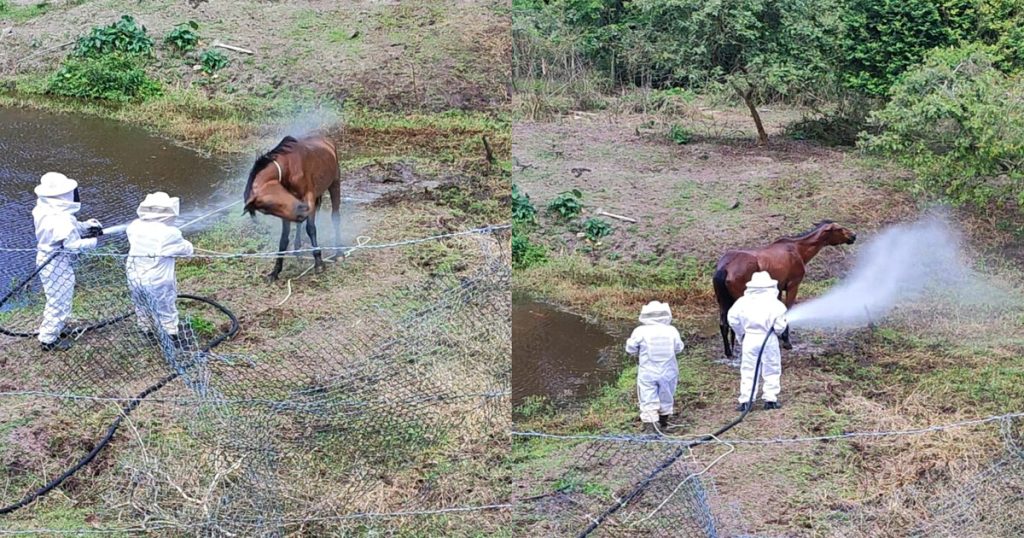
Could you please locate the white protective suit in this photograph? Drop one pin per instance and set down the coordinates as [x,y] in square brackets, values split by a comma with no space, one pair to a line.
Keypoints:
[152,238]
[751,317]
[56,228]
[656,342]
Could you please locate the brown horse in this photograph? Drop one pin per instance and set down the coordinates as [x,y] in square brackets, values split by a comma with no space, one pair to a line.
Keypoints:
[785,260]
[289,182]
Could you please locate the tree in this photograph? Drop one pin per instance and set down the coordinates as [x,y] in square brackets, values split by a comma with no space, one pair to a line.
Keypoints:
[758,48]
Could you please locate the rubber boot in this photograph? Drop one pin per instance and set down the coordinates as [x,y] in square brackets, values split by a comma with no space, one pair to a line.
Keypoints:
[649,428]
[60,344]
[663,422]
[768,406]
[743,407]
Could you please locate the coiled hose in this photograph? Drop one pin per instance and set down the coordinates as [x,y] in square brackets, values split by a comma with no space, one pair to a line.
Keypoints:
[128,407]
[623,501]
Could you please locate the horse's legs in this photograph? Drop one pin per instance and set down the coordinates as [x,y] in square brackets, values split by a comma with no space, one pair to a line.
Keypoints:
[335,190]
[791,290]
[298,241]
[282,245]
[318,261]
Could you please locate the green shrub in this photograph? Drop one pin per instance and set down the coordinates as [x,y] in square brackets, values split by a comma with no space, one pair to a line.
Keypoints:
[112,77]
[567,204]
[213,61]
[596,228]
[524,252]
[522,210]
[183,37]
[957,121]
[124,36]
[679,134]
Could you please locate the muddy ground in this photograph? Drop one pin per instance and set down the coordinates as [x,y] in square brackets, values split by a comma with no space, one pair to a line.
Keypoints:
[925,365]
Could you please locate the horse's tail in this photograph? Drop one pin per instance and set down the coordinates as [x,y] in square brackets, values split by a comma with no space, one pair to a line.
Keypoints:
[725,300]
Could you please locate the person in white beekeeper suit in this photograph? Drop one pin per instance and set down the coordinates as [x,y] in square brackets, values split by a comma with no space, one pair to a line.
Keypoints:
[656,343]
[58,228]
[153,239]
[751,317]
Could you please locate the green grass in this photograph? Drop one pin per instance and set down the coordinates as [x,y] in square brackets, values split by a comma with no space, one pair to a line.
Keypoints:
[22,13]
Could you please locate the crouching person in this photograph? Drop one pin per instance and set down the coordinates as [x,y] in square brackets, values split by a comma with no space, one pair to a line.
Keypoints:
[57,228]
[153,239]
[656,343]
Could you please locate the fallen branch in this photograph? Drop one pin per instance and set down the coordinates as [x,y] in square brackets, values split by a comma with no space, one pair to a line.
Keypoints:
[614,216]
[232,47]
[487,148]
[44,51]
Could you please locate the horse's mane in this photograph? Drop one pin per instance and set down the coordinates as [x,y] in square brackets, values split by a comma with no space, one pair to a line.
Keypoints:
[263,161]
[816,227]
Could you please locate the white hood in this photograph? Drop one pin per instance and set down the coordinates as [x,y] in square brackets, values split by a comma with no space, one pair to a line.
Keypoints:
[656,313]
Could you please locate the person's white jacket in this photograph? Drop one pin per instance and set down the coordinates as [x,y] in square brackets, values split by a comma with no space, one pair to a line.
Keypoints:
[57,228]
[150,266]
[656,343]
[751,317]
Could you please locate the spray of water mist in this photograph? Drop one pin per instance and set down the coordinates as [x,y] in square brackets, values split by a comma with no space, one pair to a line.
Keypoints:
[905,263]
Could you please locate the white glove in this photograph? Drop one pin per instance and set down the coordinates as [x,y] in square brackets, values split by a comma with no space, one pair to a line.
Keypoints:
[93,223]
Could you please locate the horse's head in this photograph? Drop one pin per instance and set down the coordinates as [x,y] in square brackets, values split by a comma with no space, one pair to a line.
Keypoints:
[271,198]
[265,191]
[834,234]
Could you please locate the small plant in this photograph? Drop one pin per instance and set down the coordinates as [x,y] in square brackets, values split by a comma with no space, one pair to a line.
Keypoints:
[679,134]
[524,252]
[112,77]
[567,204]
[213,61]
[183,37]
[595,229]
[522,210]
[125,35]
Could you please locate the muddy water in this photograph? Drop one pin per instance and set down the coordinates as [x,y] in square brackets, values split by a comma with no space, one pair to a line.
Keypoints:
[116,166]
[558,355]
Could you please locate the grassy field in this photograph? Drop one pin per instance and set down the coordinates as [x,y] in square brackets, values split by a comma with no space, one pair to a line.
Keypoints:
[926,364]
[410,91]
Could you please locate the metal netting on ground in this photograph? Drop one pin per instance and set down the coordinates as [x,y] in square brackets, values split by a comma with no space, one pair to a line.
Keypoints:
[657,482]
[384,410]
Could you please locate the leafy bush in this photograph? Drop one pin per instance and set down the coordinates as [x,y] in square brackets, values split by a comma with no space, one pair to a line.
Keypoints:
[522,210]
[125,36]
[112,77]
[212,61]
[958,121]
[840,126]
[567,204]
[183,37]
[596,228]
[679,134]
[524,252]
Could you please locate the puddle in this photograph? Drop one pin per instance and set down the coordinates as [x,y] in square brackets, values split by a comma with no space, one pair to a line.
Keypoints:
[558,355]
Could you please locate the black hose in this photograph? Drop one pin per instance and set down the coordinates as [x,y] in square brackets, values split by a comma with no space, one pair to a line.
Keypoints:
[126,409]
[623,501]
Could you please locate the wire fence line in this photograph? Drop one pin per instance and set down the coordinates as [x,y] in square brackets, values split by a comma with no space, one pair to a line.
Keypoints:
[385,412]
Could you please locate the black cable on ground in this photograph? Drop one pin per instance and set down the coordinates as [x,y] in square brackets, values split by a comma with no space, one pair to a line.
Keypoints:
[623,501]
[127,409]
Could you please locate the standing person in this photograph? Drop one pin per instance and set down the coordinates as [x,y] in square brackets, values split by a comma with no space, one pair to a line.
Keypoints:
[57,228]
[751,317]
[656,343]
[152,240]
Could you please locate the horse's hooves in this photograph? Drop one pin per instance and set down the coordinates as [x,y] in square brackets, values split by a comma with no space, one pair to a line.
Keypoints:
[787,345]
[271,278]
[319,269]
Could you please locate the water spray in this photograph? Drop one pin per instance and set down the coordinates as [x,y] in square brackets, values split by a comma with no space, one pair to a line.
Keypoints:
[899,265]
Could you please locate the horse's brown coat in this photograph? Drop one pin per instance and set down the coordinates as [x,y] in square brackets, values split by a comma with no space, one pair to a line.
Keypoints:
[785,260]
[308,168]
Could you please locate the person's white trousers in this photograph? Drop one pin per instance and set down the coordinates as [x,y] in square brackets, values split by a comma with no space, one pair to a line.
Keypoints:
[655,396]
[155,303]
[771,367]
[58,280]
